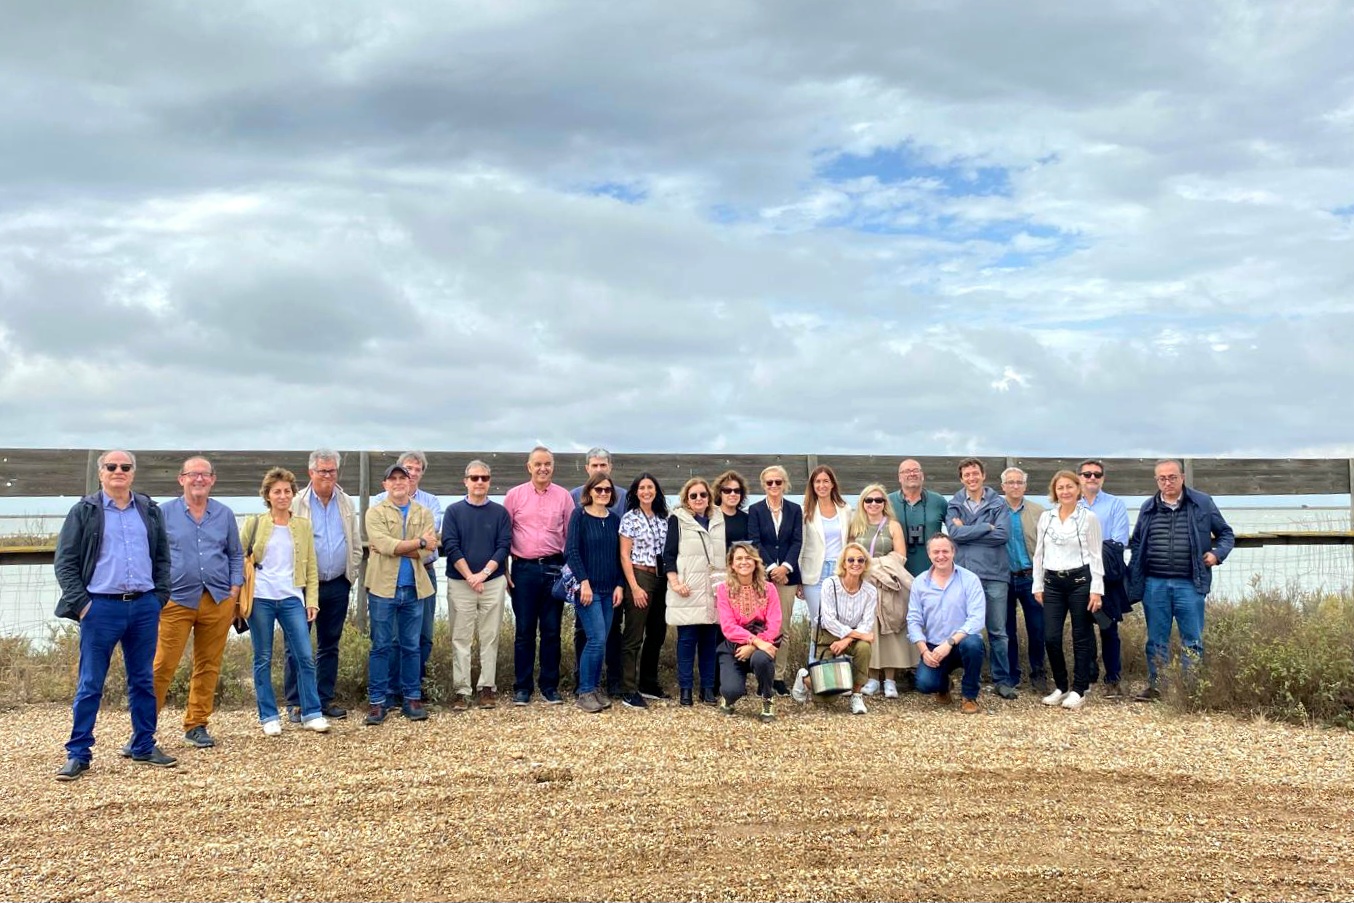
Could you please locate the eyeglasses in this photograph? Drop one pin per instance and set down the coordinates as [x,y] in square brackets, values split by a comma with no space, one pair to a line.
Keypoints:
[773,482]
[197,475]
[731,490]
[325,472]
[1091,475]
[1015,482]
[1169,478]
[698,495]
[873,501]
[604,490]
[910,473]
[480,478]
[113,468]
[856,560]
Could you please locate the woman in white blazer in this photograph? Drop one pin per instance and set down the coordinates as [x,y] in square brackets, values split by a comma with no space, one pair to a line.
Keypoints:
[827,523]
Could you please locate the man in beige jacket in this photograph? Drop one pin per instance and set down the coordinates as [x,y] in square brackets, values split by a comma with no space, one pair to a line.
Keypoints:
[400,532]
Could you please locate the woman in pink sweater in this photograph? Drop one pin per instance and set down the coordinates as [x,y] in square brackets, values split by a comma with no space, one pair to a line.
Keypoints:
[749,616]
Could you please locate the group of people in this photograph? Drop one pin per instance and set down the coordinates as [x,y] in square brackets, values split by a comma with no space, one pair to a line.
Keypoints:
[902,589]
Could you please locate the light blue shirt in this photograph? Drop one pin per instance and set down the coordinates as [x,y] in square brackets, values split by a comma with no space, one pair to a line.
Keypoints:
[406,577]
[1112,514]
[124,553]
[203,556]
[935,613]
[331,543]
[1015,542]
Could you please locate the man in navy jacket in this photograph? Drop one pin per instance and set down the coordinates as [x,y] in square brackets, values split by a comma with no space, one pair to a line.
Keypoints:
[1179,538]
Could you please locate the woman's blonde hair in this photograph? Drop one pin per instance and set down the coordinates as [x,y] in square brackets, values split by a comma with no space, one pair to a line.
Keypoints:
[274,476]
[840,570]
[758,576]
[687,486]
[859,524]
[1063,475]
[776,469]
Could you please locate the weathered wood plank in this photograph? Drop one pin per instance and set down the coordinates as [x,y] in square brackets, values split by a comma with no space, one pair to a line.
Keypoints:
[62,472]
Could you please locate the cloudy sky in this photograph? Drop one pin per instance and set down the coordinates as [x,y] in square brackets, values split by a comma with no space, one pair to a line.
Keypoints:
[927,228]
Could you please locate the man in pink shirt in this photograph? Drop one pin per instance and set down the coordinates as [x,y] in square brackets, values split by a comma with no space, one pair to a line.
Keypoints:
[540,513]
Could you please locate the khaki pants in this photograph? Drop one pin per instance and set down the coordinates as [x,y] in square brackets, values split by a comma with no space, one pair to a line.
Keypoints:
[209,624]
[474,612]
[859,652]
[787,612]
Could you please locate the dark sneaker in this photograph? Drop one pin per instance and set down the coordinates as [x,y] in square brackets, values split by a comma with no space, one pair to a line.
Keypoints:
[376,714]
[199,737]
[156,757]
[634,701]
[337,712]
[1006,691]
[461,703]
[1113,690]
[1149,694]
[552,697]
[781,689]
[521,697]
[1040,685]
[413,710]
[72,770]
[294,714]
[126,750]
[768,710]
[685,697]
[709,696]
[488,698]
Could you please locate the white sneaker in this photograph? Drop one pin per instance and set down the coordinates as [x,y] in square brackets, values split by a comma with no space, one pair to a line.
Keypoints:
[871,687]
[319,725]
[272,727]
[1074,700]
[857,704]
[890,689]
[1055,698]
[797,690]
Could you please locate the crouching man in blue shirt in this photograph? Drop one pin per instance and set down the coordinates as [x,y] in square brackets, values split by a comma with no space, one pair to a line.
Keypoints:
[945,618]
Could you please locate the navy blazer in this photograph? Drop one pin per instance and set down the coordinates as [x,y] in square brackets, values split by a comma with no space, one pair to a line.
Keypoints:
[782,547]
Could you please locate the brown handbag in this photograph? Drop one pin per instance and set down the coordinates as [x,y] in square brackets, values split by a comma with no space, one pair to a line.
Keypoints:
[245,603]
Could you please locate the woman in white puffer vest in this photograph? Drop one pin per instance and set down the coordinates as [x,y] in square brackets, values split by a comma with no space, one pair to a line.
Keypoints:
[693,559]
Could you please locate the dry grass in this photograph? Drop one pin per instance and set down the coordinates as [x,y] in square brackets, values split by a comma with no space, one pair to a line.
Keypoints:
[1117,801]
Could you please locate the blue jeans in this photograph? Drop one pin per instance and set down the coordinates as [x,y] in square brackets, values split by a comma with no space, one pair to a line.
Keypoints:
[533,607]
[136,625]
[395,627]
[596,620]
[999,664]
[290,615]
[425,643]
[813,598]
[697,641]
[967,655]
[329,623]
[1020,593]
[1164,598]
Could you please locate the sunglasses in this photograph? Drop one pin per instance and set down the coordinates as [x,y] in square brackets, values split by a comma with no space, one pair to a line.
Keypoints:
[773,482]
[478,478]
[698,495]
[1091,475]
[731,490]
[605,490]
[875,501]
[855,560]
[113,468]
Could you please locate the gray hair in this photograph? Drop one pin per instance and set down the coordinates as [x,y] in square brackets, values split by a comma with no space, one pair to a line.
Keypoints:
[597,452]
[324,454]
[1180,465]
[418,456]
[1013,470]
[477,463]
[113,451]
[540,448]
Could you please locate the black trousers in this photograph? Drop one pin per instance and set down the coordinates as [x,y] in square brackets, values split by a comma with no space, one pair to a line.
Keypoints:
[733,673]
[1068,593]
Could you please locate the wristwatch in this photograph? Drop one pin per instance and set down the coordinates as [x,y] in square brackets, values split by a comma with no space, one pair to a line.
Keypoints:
[422,543]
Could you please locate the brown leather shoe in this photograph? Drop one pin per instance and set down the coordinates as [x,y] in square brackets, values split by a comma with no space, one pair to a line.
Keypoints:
[488,698]
[461,703]
[969,707]
[943,698]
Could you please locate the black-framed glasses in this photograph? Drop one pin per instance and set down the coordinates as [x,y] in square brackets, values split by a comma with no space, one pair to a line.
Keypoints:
[325,471]
[605,490]
[731,490]
[197,474]
[1169,478]
[1091,475]
[113,468]
[873,501]
[480,478]
[773,482]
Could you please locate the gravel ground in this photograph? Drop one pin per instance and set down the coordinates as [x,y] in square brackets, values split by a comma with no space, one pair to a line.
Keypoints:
[1118,801]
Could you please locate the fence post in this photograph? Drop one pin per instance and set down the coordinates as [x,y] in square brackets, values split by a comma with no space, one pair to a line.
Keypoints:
[1188,471]
[92,473]
[364,497]
[810,462]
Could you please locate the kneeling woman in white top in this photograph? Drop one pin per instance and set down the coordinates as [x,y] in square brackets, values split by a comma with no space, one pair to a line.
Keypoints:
[284,555]
[846,622]
[1069,579]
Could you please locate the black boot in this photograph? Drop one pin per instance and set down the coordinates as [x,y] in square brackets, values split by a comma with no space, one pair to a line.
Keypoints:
[686,697]
[708,696]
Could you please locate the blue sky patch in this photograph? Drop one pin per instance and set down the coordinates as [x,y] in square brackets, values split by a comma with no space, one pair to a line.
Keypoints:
[903,164]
